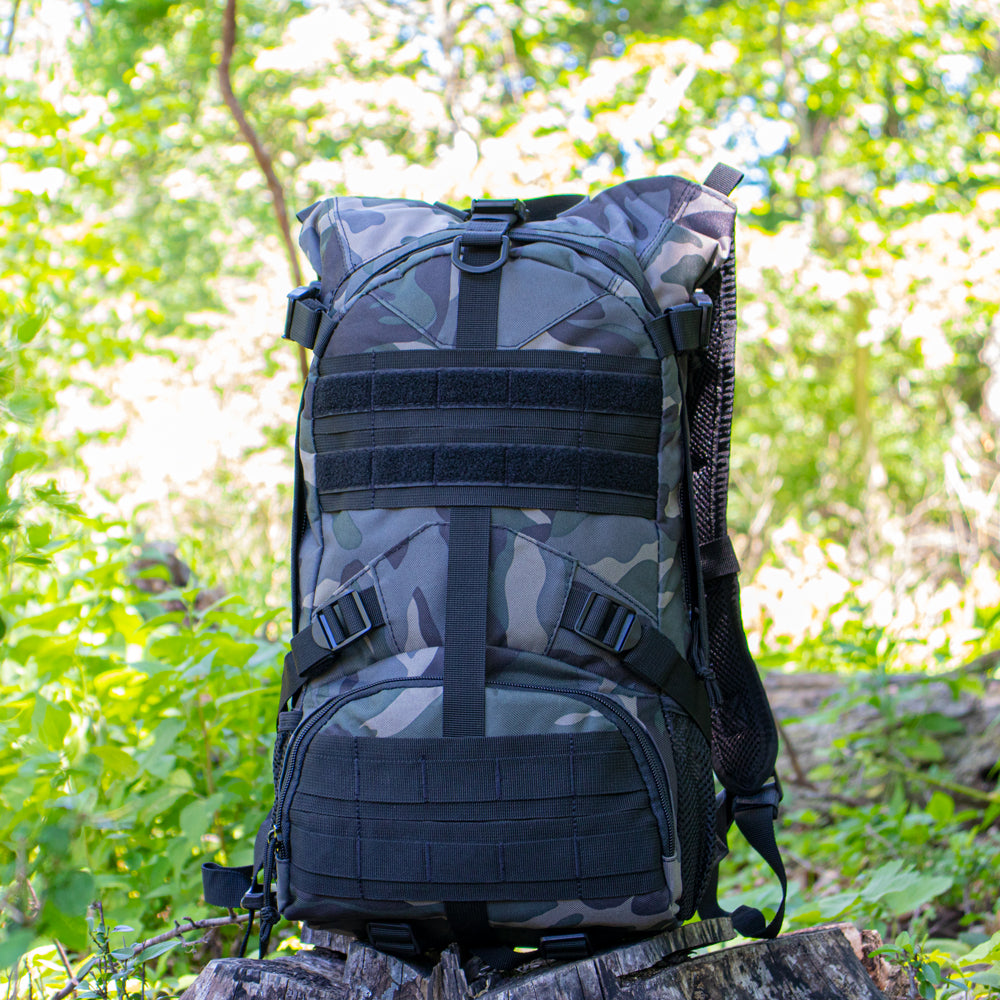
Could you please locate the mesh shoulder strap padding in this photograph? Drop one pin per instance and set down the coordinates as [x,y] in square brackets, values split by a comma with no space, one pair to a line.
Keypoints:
[744,737]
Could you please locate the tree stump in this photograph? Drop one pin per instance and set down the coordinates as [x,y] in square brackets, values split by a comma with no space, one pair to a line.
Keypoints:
[818,964]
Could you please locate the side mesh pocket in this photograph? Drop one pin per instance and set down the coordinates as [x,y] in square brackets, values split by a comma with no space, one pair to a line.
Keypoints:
[695,807]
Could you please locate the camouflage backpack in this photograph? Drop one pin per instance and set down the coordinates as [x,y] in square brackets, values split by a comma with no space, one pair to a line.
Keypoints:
[517,650]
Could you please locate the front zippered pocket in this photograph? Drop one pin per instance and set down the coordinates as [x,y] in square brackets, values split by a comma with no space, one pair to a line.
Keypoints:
[639,741]
[523,236]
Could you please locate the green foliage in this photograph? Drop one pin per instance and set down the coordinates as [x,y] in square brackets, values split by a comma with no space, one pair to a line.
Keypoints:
[118,966]
[942,970]
[870,137]
[132,729]
[135,738]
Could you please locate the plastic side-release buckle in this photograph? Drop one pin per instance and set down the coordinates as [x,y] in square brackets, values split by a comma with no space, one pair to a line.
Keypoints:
[344,620]
[500,208]
[690,324]
[770,795]
[396,939]
[608,624]
[565,947]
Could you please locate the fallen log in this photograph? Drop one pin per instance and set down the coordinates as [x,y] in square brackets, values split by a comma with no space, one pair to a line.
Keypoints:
[818,964]
[970,752]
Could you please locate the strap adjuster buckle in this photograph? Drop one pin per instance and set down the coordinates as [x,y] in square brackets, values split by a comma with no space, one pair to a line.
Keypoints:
[253,898]
[303,313]
[770,795]
[703,302]
[608,624]
[681,320]
[344,620]
[396,939]
[500,207]
[565,947]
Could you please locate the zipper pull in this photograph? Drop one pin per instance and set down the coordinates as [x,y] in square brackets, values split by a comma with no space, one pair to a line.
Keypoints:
[269,915]
[701,664]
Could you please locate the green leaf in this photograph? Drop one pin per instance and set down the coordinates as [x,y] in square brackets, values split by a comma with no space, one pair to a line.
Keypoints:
[919,890]
[987,951]
[155,950]
[28,327]
[14,944]
[67,926]
[52,723]
[941,808]
[74,893]
[116,761]
[890,877]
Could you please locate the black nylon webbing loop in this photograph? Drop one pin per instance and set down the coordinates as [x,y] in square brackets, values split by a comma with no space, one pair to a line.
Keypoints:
[754,816]
[723,178]
[718,558]
[225,886]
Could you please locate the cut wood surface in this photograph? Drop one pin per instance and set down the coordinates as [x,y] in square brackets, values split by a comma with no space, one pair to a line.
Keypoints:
[819,964]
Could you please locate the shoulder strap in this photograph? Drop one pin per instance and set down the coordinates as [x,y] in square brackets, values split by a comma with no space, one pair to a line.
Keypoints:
[744,736]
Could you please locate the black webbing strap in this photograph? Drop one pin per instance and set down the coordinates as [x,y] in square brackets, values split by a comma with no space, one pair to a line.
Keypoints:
[226,887]
[464,681]
[643,649]
[345,619]
[236,888]
[479,253]
[306,319]
[718,558]
[723,178]
[754,816]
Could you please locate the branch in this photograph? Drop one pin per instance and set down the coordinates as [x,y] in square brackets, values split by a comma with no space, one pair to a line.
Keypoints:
[8,41]
[177,932]
[261,155]
[191,925]
[73,981]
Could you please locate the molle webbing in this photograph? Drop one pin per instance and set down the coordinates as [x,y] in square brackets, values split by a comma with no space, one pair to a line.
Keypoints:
[535,817]
[463,703]
[551,429]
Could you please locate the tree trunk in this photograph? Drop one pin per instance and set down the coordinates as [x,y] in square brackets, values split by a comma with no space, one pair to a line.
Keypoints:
[811,965]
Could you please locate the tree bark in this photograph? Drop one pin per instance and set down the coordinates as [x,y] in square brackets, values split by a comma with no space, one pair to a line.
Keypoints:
[261,155]
[812,965]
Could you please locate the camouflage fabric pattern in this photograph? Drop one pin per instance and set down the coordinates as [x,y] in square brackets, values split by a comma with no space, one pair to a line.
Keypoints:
[388,282]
